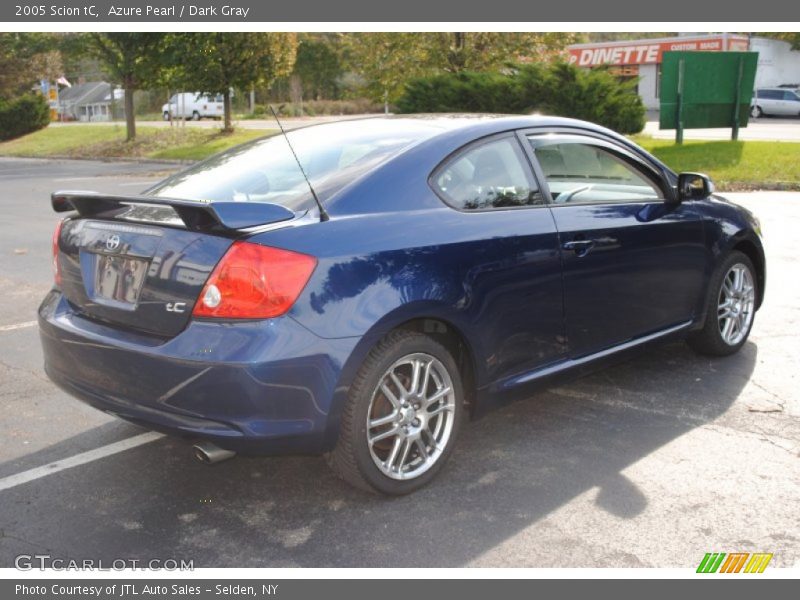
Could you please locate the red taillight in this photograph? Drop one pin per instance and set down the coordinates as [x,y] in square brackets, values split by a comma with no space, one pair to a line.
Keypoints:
[254,282]
[56,265]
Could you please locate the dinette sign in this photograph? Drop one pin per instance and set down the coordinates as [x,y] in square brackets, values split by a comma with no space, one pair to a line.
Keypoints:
[646,53]
[623,55]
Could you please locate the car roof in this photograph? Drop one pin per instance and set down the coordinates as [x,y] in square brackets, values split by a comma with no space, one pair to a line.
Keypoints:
[433,124]
[459,128]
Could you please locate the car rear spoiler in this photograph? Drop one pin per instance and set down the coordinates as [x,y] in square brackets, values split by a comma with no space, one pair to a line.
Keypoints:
[196,215]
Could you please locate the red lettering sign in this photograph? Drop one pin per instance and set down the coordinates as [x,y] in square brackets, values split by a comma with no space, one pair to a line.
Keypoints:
[643,53]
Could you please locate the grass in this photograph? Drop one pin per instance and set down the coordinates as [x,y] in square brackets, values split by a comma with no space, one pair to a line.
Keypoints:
[108,141]
[733,165]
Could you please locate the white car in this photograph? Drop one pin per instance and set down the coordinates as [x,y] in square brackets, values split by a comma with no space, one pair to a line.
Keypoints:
[194,105]
[775,101]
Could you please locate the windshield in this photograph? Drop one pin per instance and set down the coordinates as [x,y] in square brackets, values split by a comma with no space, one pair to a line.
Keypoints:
[265,170]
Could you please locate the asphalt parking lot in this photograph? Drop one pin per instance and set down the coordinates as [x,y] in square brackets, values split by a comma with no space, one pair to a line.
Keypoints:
[650,463]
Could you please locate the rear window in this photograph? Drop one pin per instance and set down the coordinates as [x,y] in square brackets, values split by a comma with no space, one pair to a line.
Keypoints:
[332,156]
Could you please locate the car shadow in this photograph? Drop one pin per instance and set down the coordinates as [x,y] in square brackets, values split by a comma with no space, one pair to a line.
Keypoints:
[510,469]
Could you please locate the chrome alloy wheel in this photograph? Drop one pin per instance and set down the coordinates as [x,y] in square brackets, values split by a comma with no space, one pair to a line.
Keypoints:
[410,416]
[736,304]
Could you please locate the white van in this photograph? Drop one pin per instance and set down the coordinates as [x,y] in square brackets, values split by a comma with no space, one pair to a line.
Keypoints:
[775,101]
[194,105]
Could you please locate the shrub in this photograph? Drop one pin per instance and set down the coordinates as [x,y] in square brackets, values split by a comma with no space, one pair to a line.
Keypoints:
[462,92]
[311,108]
[558,89]
[354,106]
[22,115]
[589,94]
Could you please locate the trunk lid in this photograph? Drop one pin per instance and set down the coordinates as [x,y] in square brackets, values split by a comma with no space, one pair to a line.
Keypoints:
[141,262]
[139,276]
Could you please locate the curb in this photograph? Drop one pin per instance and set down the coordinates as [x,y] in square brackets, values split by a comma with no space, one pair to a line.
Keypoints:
[764,186]
[106,159]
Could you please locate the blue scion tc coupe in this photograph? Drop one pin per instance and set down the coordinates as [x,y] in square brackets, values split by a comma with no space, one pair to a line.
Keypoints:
[361,288]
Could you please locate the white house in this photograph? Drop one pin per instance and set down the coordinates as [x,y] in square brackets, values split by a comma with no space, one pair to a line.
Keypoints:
[88,102]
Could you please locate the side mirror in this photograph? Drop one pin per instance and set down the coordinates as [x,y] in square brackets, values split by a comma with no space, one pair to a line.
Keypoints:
[694,186]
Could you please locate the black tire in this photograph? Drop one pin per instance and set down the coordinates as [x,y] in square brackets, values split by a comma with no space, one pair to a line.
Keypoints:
[166,116]
[195,116]
[709,340]
[756,112]
[351,459]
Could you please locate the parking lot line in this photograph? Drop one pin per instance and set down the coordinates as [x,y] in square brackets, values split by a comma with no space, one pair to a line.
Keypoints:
[77,460]
[17,326]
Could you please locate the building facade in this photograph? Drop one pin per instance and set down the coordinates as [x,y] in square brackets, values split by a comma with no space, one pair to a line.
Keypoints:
[778,64]
[92,101]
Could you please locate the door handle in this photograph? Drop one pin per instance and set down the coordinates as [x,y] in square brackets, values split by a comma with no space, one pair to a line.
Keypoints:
[580,247]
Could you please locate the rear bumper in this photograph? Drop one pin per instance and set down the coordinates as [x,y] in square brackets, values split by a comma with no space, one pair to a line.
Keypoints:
[261,387]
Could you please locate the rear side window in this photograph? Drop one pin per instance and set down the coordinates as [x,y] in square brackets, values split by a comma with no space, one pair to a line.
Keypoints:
[489,175]
[770,94]
[266,170]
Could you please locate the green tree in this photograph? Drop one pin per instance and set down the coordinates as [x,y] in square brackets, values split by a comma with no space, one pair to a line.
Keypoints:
[216,63]
[608,36]
[318,66]
[483,51]
[25,58]
[132,59]
[386,60]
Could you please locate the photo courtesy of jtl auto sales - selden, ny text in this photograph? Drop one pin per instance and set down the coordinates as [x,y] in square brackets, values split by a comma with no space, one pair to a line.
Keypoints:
[398,301]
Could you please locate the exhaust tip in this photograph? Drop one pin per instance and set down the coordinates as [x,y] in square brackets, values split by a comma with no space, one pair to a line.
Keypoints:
[200,455]
[210,454]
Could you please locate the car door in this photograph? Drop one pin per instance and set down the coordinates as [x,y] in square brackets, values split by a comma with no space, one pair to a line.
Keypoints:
[173,105]
[791,104]
[510,255]
[780,106]
[633,264]
[184,103]
[766,102]
[773,102]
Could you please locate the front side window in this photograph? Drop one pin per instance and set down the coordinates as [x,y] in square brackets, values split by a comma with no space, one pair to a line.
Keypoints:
[791,96]
[490,175]
[582,173]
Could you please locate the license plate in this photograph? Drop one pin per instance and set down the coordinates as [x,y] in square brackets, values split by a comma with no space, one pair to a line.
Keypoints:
[119,278]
